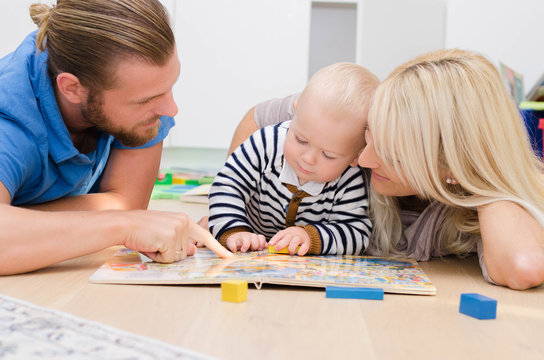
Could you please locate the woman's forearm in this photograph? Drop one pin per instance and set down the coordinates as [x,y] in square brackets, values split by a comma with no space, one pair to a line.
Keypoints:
[513,245]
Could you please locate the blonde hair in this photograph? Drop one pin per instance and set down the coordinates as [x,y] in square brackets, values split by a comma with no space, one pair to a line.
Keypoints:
[448,112]
[88,37]
[345,86]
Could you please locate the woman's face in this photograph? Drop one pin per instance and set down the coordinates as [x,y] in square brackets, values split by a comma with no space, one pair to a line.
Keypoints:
[384,180]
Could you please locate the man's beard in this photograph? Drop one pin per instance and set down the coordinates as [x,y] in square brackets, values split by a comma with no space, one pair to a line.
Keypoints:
[93,113]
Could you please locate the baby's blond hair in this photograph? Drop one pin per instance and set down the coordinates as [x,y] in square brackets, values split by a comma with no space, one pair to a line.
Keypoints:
[343,86]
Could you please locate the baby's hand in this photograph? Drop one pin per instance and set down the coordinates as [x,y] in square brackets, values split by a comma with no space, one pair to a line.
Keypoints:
[293,237]
[245,241]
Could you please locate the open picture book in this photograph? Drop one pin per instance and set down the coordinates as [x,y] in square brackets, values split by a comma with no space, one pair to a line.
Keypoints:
[402,276]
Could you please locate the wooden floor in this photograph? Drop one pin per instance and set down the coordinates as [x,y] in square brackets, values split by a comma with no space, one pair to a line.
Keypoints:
[279,322]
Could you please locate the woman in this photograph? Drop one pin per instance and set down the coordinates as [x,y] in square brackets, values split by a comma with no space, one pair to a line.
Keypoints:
[452,167]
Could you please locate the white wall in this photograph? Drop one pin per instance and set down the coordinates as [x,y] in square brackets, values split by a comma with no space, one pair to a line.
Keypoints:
[15,21]
[394,31]
[503,30]
[333,30]
[236,53]
[15,24]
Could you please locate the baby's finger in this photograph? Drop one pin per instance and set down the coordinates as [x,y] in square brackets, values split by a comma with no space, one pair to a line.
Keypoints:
[246,242]
[256,242]
[304,247]
[294,244]
[262,242]
[274,239]
[284,242]
[232,245]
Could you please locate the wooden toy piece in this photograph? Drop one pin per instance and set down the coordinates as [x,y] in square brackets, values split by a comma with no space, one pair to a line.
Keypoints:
[234,290]
[340,292]
[272,250]
[478,306]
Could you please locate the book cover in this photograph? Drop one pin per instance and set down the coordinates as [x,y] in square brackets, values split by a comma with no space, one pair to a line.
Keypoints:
[537,91]
[393,275]
[513,82]
[198,194]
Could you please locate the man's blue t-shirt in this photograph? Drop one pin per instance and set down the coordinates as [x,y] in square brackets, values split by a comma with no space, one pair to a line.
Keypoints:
[38,161]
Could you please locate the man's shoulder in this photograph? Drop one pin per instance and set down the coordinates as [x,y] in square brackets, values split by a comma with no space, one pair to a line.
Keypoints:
[23,87]
[16,135]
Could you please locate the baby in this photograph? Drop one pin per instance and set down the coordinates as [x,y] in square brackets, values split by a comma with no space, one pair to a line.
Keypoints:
[297,183]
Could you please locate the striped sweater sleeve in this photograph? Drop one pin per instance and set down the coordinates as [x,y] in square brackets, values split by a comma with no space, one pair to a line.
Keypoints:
[348,228]
[239,179]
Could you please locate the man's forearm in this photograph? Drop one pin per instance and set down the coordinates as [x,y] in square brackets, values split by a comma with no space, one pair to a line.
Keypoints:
[34,239]
[98,201]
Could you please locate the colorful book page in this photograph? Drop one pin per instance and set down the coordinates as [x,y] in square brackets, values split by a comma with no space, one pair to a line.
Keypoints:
[403,276]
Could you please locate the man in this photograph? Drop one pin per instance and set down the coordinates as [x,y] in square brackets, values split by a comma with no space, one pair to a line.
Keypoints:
[85,104]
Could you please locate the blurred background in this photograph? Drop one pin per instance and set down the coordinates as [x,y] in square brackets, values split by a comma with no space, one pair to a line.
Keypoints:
[236,53]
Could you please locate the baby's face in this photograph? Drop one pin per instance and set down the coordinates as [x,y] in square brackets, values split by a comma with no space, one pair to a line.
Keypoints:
[322,142]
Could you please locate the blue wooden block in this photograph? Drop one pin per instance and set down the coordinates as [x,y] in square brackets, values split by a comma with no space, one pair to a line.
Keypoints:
[339,292]
[478,306]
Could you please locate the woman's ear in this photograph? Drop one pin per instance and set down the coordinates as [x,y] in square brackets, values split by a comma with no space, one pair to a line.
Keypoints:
[69,86]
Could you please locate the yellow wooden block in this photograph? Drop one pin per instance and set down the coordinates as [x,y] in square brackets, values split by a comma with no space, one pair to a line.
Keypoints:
[234,290]
[285,250]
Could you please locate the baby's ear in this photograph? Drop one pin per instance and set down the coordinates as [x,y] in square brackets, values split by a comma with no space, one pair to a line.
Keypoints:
[355,161]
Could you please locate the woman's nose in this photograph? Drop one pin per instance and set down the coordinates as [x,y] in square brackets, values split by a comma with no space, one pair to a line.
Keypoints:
[368,158]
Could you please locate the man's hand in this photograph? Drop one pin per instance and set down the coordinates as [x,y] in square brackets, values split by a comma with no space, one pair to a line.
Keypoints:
[167,237]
